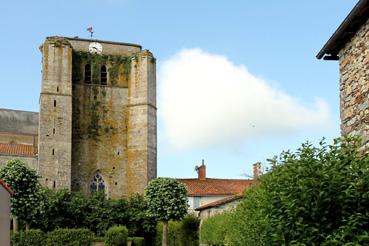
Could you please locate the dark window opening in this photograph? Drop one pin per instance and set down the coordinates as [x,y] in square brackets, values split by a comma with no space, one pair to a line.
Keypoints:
[53,151]
[57,89]
[88,73]
[53,130]
[103,75]
[54,103]
[116,183]
[54,184]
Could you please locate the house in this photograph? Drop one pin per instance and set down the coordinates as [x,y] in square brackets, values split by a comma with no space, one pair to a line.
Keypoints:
[220,206]
[349,44]
[203,190]
[5,193]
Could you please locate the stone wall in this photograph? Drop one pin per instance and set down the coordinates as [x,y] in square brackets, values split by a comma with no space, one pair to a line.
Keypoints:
[55,131]
[29,161]
[141,126]
[18,122]
[114,125]
[89,128]
[354,85]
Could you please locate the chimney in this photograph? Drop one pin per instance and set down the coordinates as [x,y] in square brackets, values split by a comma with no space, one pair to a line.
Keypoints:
[256,168]
[201,171]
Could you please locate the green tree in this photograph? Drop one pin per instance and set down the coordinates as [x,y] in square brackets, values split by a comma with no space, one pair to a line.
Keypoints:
[167,200]
[27,200]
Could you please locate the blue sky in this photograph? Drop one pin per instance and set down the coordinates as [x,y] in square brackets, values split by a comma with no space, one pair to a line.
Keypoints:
[269,43]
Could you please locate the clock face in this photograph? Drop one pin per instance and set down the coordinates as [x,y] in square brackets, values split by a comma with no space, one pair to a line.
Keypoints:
[95,48]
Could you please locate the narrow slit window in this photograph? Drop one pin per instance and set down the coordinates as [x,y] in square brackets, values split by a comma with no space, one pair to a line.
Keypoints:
[53,130]
[54,103]
[88,73]
[57,89]
[54,184]
[103,75]
[53,151]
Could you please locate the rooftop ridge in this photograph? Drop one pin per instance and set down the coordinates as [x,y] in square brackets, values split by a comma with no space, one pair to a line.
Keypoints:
[96,40]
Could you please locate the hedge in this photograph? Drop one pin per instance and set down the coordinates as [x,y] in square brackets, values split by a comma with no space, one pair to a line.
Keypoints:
[214,229]
[180,233]
[137,241]
[69,237]
[29,238]
[116,236]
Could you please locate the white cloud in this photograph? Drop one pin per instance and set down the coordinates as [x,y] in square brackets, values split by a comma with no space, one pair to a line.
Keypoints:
[205,99]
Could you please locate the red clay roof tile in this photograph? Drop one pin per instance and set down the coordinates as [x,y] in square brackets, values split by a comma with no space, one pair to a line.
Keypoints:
[17,149]
[213,187]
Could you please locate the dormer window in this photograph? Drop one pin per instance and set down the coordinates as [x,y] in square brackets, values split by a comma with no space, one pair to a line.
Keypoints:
[103,75]
[88,74]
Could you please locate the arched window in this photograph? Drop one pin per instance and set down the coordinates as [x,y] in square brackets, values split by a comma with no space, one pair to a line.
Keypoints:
[88,73]
[97,183]
[103,75]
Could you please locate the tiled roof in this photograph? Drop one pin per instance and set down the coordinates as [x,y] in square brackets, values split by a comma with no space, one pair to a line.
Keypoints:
[213,187]
[6,187]
[220,202]
[17,149]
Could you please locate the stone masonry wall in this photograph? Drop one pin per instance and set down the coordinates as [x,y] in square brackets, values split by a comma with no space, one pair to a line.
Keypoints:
[141,126]
[354,85]
[55,125]
[114,134]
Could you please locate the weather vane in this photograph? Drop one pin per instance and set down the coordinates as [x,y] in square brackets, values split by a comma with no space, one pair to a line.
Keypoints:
[90,30]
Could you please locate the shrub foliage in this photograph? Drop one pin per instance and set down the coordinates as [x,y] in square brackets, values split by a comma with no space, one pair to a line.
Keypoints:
[29,238]
[116,236]
[181,233]
[315,196]
[69,237]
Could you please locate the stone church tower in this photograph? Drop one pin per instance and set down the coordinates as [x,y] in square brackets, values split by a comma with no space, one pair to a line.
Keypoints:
[97,120]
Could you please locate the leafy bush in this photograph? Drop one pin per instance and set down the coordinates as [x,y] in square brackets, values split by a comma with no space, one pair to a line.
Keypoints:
[181,233]
[29,238]
[190,230]
[67,209]
[27,200]
[69,237]
[213,229]
[315,196]
[116,236]
[137,241]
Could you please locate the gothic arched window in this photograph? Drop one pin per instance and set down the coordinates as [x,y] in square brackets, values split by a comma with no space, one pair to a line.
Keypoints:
[103,75]
[88,73]
[97,183]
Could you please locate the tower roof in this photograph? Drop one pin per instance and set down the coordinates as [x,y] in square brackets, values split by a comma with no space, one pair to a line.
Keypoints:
[97,40]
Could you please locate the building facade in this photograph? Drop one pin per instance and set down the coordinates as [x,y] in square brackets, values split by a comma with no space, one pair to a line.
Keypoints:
[350,46]
[97,119]
[5,194]
[202,191]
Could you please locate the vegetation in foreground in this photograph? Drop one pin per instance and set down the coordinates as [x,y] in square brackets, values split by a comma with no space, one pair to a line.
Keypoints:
[315,196]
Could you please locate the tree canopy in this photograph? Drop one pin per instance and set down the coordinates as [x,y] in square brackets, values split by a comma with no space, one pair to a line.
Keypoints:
[27,200]
[166,199]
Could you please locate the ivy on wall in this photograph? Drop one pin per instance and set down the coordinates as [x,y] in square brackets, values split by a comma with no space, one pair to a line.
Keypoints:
[113,63]
[90,124]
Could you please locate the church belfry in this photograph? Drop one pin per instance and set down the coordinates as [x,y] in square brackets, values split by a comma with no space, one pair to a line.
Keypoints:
[97,122]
